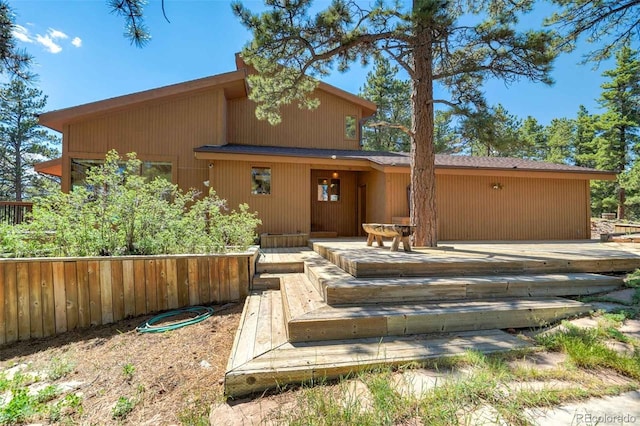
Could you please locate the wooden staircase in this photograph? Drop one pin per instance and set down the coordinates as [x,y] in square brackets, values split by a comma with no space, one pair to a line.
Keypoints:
[312,308]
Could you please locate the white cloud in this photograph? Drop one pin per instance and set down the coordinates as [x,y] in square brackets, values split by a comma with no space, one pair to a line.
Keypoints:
[48,43]
[56,34]
[22,34]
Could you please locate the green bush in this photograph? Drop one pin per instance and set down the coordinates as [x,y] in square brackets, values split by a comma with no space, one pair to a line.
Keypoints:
[120,212]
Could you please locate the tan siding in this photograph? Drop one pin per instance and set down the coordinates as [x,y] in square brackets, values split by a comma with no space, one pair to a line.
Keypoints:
[158,130]
[469,209]
[397,202]
[376,195]
[286,210]
[319,128]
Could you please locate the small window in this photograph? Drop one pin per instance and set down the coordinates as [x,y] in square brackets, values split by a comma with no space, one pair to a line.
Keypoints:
[350,130]
[261,180]
[328,189]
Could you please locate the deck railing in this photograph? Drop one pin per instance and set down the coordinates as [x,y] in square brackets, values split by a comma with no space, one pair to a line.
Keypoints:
[14,212]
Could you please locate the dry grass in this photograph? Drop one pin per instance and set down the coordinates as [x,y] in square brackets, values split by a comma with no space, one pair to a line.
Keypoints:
[171,377]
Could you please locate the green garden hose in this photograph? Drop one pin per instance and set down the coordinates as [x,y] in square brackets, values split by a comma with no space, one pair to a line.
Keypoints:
[201,314]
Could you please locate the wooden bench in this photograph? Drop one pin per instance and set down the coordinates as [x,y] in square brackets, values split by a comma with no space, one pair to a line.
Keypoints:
[399,233]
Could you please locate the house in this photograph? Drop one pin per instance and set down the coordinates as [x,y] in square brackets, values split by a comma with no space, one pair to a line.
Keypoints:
[308,174]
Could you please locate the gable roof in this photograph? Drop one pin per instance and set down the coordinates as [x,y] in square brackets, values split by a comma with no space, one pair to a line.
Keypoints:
[402,159]
[56,119]
[234,81]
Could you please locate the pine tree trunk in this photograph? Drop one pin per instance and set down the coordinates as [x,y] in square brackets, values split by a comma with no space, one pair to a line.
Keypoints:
[18,175]
[423,178]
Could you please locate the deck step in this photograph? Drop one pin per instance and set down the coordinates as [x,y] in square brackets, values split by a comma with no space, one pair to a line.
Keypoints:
[309,318]
[266,281]
[280,267]
[477,259]
[388,290]
[341,288]
[318,361]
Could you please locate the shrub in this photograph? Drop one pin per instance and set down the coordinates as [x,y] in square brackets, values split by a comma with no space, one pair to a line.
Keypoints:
[120,212]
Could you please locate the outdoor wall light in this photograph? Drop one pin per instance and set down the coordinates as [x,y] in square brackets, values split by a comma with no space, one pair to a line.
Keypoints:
[335,175]
[496,185]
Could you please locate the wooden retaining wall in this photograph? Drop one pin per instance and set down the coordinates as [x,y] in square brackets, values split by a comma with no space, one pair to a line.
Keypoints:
[48,296]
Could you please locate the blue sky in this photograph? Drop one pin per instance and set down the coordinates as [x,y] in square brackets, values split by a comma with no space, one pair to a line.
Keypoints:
[81,56]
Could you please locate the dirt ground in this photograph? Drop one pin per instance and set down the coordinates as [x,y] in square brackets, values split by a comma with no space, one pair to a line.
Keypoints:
[174,377]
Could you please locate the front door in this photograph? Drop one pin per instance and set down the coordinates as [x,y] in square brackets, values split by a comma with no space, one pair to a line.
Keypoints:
[333,202]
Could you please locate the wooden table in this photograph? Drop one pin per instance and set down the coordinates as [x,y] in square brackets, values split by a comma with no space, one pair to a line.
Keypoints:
[399,233]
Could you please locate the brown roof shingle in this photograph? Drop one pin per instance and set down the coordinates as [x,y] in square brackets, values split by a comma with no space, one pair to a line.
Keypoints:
[401,158]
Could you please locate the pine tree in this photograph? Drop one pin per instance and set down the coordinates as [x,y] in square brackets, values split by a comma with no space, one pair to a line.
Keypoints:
[611,24]
[456,44]
[619,127]
[533,136]
[584,146]
[492,132]
[560,135]
[392,96]
[22,141]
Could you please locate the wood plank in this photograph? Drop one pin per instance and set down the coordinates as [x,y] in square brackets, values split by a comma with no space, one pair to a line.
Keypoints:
[3,305]
[150,285]
[243,352]
[223,278]
[35,300]
[182,282]
[71,294]
[128,287]
[263,326]
[234,362]
[203,280]
[214,279]
[193,282]
[95,295]
[24,311]
[243,276]
[139,287]
[303,362]
[278,332]
[234,279]
[172,283]
[48,299]
[10,302]
[106,296]
[161,279]
[117,290]
[60,297]
[84,299]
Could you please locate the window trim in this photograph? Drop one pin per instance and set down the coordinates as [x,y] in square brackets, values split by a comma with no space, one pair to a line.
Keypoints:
[271,188]
[355,127]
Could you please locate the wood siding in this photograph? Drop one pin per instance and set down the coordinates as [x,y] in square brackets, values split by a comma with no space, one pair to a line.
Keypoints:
[45,297]
[285,210]
[319,128]
[523,209]
[376,197]
[335,216]
[161,130]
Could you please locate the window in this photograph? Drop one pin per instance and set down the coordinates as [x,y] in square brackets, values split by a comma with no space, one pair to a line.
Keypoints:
[328,189]
[148,169]
[261,180]
[350,130]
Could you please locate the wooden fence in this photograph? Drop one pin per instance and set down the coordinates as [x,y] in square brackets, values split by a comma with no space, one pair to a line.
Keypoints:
[13,212]
[43,297]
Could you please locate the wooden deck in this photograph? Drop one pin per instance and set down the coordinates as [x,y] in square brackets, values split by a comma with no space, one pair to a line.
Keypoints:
[481,258]
[346,307]
[262,359]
